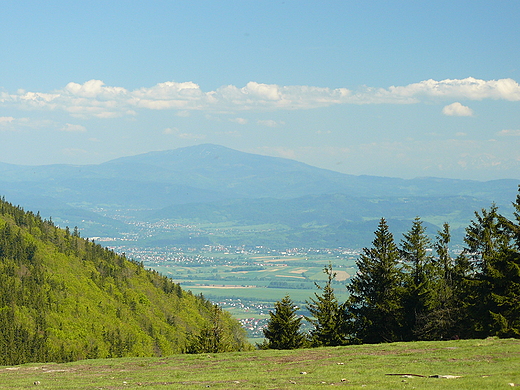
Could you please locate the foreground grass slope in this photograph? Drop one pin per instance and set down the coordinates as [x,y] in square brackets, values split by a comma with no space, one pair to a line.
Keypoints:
[476,364]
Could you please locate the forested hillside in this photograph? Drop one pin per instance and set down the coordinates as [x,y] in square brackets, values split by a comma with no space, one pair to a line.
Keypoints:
[66,298]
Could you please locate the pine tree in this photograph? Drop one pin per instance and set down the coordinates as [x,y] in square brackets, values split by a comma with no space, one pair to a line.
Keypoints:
[283,328]
[328,316]
[375,298]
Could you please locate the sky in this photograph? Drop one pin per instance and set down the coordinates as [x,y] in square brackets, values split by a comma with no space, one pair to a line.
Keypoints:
[387,88]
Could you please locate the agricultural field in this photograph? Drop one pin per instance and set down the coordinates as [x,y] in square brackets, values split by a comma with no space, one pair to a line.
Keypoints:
[458,364]
[247,282]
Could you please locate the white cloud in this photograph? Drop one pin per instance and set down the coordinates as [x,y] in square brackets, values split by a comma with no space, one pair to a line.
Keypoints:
[270,123]
[12,123]
[169,130]
[457,109]
[94,89]
[94,99]
[513,133]
[6,120]
[240,121]
[469,88]
[73,128]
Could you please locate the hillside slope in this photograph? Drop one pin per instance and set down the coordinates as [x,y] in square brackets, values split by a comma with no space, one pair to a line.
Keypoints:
[65,298]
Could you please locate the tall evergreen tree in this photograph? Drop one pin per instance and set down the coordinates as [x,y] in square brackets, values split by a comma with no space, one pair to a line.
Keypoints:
[376,291]
[442,319]
[328,316]
[495,283]
[418,293]
[283,328]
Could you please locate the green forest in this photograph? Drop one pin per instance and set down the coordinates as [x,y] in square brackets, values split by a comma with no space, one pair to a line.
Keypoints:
[415,290]
[65,298]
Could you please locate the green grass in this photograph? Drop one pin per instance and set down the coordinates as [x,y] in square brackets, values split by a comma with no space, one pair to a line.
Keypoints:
[481,364]
[268,295]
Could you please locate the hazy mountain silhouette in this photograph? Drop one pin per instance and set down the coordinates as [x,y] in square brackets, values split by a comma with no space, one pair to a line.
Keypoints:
[207,180]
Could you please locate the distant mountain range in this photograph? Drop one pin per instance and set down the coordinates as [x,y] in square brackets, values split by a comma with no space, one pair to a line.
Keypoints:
[215,184]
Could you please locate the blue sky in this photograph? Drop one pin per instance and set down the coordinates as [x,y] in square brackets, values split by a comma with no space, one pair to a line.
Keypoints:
[388,88]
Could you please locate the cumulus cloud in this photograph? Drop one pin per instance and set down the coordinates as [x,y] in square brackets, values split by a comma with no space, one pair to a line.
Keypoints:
[95,99]
[73,128]
[457,109]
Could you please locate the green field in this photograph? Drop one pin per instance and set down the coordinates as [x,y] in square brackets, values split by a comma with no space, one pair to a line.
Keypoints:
[263,278]
[461,364]
[248,284]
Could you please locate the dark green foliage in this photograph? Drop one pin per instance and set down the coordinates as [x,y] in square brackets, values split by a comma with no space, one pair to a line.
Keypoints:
[493,303]
[283,329]
[328,316]
[65,298]
[443,318]
[434,297]
[417,281]
[376,291]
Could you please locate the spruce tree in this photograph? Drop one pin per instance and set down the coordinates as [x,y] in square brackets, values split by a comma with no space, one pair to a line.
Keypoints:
[440,322]
[417,299]
[492,248]
[283,328]
[375,298]
[328,316]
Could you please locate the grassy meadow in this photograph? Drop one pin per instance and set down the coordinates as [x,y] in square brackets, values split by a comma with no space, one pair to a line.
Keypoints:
[472,364]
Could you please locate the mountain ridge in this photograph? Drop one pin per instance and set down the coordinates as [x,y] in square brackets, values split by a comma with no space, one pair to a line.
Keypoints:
[208,176]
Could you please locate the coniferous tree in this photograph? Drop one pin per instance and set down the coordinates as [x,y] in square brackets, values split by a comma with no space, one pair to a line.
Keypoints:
[374,305]
[328,316]
[440,322]
[418,293]
[492,250]
[283,328]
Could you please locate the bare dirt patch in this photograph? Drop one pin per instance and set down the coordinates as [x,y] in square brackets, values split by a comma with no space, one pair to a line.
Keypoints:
[342,275]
